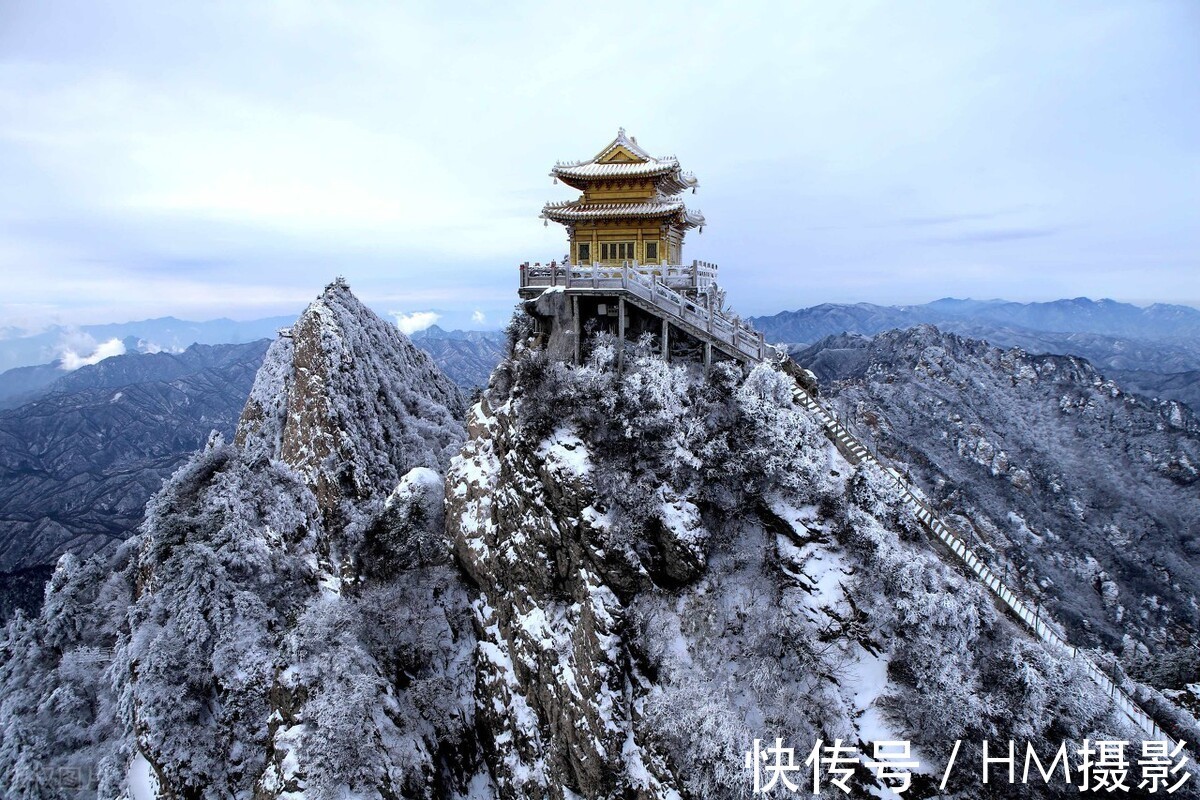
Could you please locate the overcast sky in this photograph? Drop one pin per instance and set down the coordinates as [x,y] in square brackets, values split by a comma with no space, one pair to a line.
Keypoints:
[228,159]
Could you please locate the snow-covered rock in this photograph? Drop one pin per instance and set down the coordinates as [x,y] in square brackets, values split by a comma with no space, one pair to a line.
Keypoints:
[668,566]
[288,622]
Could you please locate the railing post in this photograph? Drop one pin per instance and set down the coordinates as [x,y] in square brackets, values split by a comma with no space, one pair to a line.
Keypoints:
[621,332]
[553,275]
[576,328]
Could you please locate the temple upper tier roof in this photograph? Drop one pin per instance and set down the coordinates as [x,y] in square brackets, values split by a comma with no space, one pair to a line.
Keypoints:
[569,211]
[624,159]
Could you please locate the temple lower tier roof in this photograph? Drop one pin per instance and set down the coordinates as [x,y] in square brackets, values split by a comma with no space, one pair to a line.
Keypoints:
[576,211]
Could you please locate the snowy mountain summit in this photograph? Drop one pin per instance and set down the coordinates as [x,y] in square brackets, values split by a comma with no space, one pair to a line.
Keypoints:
[288,621]
[608,583]
[348,402]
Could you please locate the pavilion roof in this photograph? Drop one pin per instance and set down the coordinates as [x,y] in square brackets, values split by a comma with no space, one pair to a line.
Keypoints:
[638,164]
[577,210]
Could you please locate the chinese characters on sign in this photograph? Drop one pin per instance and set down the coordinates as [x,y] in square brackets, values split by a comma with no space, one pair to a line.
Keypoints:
[1105,765]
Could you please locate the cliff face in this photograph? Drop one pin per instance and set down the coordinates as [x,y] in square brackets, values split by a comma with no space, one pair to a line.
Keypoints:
[668,567]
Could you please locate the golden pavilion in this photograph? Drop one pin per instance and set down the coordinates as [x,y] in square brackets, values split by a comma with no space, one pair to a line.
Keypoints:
[630,210]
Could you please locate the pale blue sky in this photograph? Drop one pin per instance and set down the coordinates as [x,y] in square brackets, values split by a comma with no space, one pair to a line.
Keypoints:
[227,159]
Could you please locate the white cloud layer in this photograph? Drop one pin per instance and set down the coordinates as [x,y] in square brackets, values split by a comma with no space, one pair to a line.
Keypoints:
[416,321]
[215,159]
[70,360]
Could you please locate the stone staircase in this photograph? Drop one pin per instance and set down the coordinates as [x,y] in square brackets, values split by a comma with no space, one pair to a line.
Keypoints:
[1033,618]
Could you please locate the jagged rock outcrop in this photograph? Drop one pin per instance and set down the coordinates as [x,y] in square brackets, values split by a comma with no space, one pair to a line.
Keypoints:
[289,618]
[668,567]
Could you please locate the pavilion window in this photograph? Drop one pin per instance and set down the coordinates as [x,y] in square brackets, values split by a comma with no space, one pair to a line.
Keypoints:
[585,252]
[652,251]
[612,251]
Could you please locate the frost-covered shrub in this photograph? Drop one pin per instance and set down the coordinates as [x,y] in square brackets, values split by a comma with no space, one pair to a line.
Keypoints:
[715,439]
[217,584]
[776,446]
[59,727]
[410,529]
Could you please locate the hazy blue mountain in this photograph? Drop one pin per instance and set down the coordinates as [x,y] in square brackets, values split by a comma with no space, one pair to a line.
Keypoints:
[468,357]
[808,325]
[18,349]
[1182,386]
[21,384]
[1078,315]
[1161,343]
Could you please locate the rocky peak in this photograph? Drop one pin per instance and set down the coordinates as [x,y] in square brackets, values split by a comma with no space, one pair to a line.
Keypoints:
[346,400]
[667,564]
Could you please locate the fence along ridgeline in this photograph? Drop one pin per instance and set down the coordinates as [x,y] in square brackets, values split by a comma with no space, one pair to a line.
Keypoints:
[857,453]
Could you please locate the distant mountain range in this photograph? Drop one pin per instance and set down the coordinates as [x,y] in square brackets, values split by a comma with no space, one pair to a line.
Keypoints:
[22,349]
[78,464]
[30,363]
[467,357]
[1153,350]
[81,452]
[1103,317]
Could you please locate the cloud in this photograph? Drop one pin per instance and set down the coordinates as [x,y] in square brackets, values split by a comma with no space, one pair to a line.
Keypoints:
[947,219]
[478,317]
[416,321]
[70,360]
[222,174]
[1000,235]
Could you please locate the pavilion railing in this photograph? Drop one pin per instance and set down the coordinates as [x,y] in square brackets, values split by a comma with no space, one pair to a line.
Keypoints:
[656,285]
[697,276]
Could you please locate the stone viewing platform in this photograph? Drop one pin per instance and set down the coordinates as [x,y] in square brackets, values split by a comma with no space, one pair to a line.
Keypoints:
[683,300]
